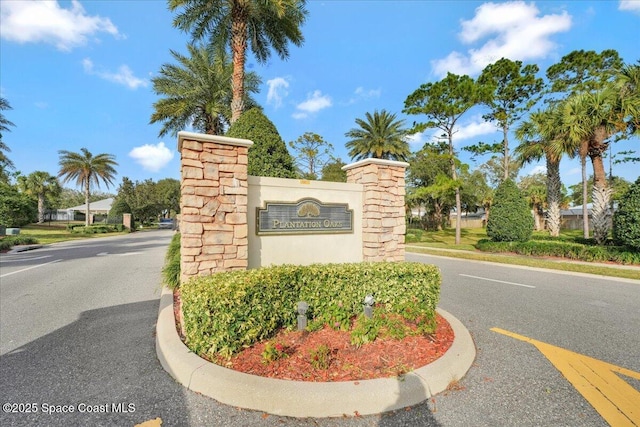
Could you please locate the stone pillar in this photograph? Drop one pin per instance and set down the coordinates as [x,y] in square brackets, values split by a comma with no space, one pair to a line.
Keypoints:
[213,204]
[383,211]
[126,220]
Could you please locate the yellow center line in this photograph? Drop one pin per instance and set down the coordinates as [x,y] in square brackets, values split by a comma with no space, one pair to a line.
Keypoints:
[597,381]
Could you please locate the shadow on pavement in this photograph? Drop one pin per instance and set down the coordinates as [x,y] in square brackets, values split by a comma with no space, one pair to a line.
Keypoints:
[78,366]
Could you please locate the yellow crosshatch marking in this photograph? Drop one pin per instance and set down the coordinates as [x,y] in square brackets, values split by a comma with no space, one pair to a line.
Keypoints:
[614,399]
[157,422]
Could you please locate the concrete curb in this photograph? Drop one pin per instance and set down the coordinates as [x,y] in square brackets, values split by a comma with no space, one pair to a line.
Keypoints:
[308,399]
[23,248]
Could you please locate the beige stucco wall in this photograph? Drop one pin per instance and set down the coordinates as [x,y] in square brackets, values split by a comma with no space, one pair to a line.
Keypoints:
[303,249]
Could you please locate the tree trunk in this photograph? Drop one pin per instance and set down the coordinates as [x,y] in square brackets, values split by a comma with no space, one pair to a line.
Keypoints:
[537,220]
[86,201]
[437,215]
[600,213]
[554,194]
[239,49]
[40,208]
[505,143]
[585,192]
[454,176]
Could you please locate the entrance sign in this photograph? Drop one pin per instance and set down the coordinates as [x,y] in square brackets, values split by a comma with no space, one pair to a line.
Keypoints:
[306,216]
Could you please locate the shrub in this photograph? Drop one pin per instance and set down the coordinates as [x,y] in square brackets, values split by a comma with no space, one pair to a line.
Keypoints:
[510,218]
[171,269]
[96,228]
[8,242]
[626,220]
[225,312]
[16,209]
[268,156]
[563,249]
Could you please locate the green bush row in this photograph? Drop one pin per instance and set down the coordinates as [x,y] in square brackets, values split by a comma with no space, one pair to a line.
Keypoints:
[171,269]
[226,312]
[413,235]
[8,242]
[564,249]
[96,228]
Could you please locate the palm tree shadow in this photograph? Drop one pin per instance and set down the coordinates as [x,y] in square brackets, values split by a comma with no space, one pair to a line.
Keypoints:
[103,358]
[412,391]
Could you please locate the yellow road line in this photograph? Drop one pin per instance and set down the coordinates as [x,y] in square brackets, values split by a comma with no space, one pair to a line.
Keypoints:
[597,381]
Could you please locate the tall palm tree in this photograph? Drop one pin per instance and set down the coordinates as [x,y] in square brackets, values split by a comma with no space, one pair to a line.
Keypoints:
[5,162]
[87,169]
[39,184]
[197,91]
[262,25]
[592,118]
[380,136]
[543,136]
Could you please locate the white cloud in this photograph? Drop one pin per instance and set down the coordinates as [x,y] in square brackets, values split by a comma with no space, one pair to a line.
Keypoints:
[630,5]
[277,91]
[574,171]
[473,129]
[416,139]
[315,102]
[152,157]
[124,76]
[504,26]
[538,169]
[48,22]
[362,94]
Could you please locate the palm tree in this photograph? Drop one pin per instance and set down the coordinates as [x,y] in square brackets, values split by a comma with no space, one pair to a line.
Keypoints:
[380,136]
[87,169]
[5,162]
[262,25]
[542,136]
[592,118]
[39,184]
[197,92]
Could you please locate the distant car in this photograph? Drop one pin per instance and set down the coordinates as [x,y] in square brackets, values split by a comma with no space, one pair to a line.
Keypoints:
[165,223]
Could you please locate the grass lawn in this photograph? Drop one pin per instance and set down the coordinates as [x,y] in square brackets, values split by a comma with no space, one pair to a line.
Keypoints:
[443,243]
[53,232]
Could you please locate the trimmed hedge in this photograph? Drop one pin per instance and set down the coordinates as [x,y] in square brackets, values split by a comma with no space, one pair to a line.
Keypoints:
[626,220]
[226,312]
[510,218]
[8,242]
[96,228]
[563,249]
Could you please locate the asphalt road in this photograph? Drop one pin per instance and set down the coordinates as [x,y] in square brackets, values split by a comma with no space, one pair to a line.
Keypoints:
[77,323]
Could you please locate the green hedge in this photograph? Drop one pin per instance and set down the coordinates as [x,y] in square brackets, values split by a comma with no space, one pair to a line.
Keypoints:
[8,242]
[564,249]
[225,312]
[171,269]
[96,228]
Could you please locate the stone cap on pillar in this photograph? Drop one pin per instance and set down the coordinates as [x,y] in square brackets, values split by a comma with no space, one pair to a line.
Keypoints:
[382,162]
[218,139]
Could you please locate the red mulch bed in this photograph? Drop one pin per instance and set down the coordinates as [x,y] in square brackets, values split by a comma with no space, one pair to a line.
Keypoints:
[382,358]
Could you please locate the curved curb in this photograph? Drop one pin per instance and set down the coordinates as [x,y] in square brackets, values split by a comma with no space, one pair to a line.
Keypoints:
[308,399]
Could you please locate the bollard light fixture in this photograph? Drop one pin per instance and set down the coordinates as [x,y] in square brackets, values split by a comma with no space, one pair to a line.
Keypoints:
[302,315]
[368,306]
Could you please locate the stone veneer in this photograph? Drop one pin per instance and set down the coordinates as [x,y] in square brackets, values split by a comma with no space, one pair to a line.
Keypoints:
[213,204]
[383,213]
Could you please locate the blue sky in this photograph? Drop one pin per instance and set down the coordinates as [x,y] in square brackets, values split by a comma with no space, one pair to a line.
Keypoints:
[77,73]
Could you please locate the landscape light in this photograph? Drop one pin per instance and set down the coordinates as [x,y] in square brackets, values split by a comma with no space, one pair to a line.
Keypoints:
[302,315]
[368,306]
